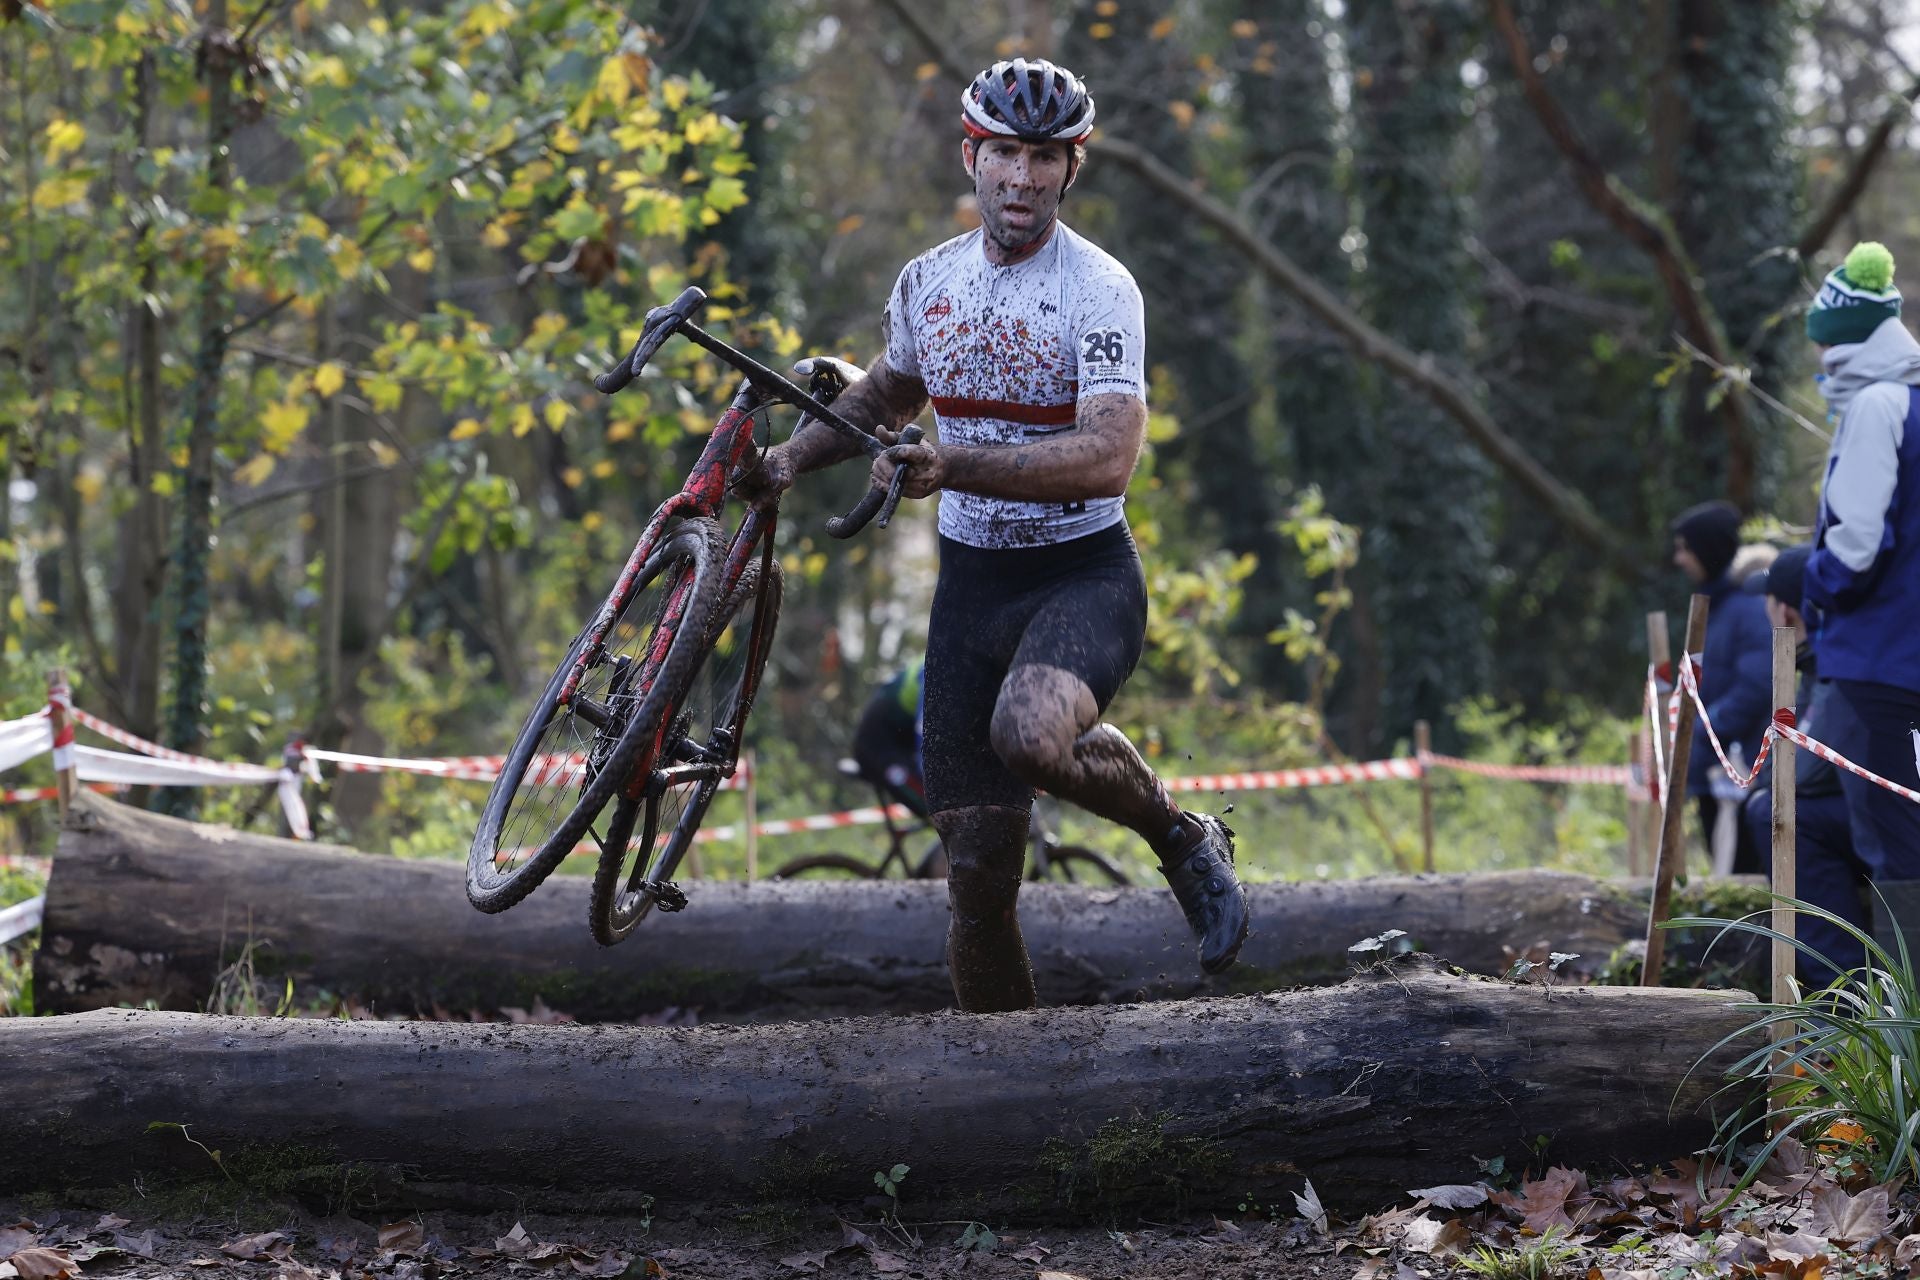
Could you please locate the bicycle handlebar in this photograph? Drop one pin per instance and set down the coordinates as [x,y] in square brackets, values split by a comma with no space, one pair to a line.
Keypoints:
[662,323]
[880,500]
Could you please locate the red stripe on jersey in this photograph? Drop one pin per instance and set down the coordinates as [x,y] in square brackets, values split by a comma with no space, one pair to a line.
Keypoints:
[1037,415]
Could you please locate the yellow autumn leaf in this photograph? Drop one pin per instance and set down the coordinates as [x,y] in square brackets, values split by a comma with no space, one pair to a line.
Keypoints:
[848,225]
[564,139]
[1100,30]
[926,71]
[59,191]
[618,431]
[604,468]
[573,477]
[673,92]
[1246,28]
[421,260]
[383,453]
[494,236]
[1181,112]
[254,472]
[1163,28]
[127,24]
[88,485]
[465,429]
[17,609]
[556,413]
[281,424]
[329,378]
[63,137]
[522,420]
[613,83]
[591,521]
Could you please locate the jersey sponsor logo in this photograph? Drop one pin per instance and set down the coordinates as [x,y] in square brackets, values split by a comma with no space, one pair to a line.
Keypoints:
[1103,346]
[939,309]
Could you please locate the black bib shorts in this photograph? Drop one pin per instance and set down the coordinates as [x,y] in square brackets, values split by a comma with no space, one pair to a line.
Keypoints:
[1080,606]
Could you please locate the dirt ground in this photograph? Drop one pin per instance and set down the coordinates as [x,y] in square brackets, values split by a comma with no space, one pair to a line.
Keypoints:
[116,1240]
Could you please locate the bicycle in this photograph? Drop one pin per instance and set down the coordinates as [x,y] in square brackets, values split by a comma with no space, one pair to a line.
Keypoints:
[648,708]
[1048,859]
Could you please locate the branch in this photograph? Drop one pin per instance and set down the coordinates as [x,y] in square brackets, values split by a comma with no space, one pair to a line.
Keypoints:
[1418,369]
[1815,237]
[1652,232]
[940,51]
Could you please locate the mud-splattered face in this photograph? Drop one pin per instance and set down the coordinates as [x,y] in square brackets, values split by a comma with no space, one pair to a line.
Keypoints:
[1018,186]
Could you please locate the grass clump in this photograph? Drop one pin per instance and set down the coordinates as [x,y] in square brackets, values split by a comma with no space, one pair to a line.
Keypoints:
[1843,1076]
[1539,1259]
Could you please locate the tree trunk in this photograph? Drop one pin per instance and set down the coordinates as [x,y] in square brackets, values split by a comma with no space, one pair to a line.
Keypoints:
[194,553]
[146,908]
[1402,1077]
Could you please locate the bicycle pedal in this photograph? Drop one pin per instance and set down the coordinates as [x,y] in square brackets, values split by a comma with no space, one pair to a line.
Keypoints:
[667,896]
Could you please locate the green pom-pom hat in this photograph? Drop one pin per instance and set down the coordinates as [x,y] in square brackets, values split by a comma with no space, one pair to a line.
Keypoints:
[1856,298]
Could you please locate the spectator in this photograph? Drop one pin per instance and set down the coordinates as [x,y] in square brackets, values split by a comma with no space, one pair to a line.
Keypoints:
[886,742]
[1735,677]
[1827,872]
[1862,600]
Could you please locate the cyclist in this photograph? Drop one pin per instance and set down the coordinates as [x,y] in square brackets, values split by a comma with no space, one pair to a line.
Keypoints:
[886,742]
[1029,342]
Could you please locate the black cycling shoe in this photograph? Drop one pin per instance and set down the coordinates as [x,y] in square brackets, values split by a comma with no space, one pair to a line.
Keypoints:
[1210,893]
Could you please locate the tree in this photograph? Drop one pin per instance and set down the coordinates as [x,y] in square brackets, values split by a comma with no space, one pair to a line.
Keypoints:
[1427,537]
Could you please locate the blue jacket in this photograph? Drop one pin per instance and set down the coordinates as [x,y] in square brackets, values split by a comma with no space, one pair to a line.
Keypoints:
[1737,680]
[1863,578]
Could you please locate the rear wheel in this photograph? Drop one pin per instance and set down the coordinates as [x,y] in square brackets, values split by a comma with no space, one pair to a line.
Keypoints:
[826,866]
[1071,864]
[577,746]
[699,748]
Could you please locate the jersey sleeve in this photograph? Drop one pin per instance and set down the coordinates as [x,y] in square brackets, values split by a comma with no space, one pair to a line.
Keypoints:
[1110,337]
[902,357]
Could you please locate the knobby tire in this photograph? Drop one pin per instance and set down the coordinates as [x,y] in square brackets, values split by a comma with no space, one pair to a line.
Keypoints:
[684,568]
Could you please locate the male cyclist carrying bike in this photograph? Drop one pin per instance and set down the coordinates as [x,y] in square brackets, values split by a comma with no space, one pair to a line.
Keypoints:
[1029,341]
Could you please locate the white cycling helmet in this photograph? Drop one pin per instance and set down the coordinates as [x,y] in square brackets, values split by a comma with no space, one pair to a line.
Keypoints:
[1029,99]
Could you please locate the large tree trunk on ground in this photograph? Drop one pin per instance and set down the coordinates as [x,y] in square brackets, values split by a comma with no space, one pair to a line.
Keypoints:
[1397,1079]
[141,907]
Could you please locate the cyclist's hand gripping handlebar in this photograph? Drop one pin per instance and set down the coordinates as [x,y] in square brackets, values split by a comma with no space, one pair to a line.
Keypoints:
[880,500]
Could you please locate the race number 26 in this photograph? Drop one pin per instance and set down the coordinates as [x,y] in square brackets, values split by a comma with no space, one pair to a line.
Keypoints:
[1106,345]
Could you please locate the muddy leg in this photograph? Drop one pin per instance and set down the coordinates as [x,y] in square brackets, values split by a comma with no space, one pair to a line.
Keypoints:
[1045,727]
[987,958]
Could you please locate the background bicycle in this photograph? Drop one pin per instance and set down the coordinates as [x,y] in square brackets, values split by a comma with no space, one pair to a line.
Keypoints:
[913,850]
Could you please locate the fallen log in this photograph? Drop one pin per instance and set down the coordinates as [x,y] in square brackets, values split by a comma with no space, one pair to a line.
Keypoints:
[1398,1078]
[145,908]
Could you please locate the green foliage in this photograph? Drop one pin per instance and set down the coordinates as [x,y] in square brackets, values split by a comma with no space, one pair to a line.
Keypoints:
[1834,1066]
[1540,1259]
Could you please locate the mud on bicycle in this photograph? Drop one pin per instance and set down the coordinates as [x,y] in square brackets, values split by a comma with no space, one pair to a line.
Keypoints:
[646,712]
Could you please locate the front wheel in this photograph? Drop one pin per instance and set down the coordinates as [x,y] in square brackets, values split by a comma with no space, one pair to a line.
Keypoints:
[698,750]
[581,742]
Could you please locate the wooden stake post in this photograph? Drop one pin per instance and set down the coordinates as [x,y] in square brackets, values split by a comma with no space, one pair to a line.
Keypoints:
[1637,754]
[58,696]
[1672,854]
[1422,747]
[1785,652]
[753,819]
[1659,653]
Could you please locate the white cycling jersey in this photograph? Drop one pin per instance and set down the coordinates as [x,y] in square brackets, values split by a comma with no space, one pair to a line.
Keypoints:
[1006,354]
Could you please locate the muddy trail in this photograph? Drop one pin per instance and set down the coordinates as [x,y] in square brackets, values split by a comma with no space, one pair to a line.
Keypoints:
[128,1238]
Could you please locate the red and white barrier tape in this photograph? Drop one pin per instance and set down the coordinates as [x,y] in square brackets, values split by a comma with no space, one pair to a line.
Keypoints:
[542,770]
[1613,775]
[202,764]
[1783,726]
[1690,680]
[1325,775]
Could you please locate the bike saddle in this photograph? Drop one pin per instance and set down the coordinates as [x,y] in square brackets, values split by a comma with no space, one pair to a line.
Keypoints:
[828,376]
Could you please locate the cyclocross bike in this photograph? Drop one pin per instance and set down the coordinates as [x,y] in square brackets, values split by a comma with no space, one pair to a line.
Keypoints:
[646,711]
